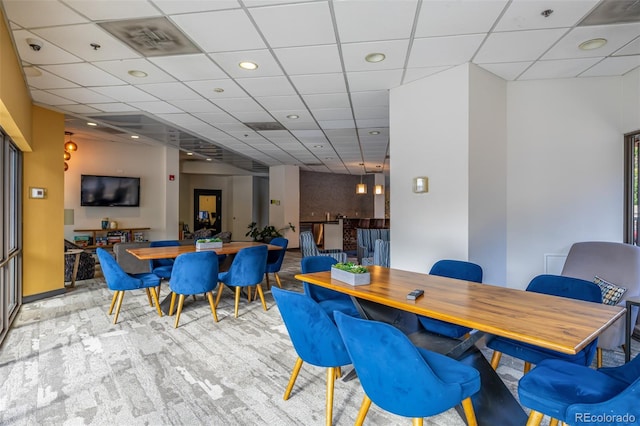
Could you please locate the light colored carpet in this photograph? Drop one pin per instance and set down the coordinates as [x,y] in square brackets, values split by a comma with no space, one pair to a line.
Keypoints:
[65,363]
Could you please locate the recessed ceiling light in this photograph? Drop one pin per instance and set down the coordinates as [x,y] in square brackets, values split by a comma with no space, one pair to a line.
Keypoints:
[92,124]
[218,90]
[318,146]
[189,153]
[247,65]
[137,73]
[375,57]
[374,132]
[293,116]
[592,44]
[135,137]
[209,159]
[378,166]
[328,158]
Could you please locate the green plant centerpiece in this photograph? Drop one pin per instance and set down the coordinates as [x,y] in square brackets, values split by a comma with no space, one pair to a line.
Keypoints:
[267,233]
[351,273]
[208,243]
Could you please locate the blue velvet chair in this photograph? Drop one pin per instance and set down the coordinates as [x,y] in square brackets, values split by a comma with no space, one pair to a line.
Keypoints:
[329,300]
[275,258]
[315,339]
[569,392]
[119,281]
[555,285]
[194,273]
[162,267]
[460,270]
[247,270]
[308,247]
[401,378]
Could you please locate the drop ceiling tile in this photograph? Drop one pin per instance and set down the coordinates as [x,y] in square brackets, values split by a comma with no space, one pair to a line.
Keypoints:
[189,6]
[332,114]
[83,74]
[157,107]
[370,98]
[170,91]
[77,39]
[189,67]
[310,59]
[78,109]
[47,98]
[327,100]
[48,81]
[566,68]
[365,134]
[527,15]
[319,83]
[233,105]
[211,30]
[186,121]
[507,70]
[362,113]
[195,105]
[395,51]
[440,51]
[125,93]
[373,122]
[413,74]
[446,18]
[342,133]
[229,62]
[519,46]
[337,124]
[374,19]
[47,55]
[121,70]
[616,36]
[113,9]
[303,134]
[303,24]
[280,103]
[49,13]
[266,86]
[618,65]
[304,117]
[207,88]
[374,80]
[255,116]
[216,117]
[81,95]
[632,48]
[113,107]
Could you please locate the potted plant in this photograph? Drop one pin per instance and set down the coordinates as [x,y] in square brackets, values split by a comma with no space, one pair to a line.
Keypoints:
[208,243]
[267,233]
[351,273]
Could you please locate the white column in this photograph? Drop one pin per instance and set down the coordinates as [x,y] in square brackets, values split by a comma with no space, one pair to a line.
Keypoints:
[284,200]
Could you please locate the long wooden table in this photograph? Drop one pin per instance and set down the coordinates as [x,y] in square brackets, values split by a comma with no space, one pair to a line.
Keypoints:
[561,324]
[171,252]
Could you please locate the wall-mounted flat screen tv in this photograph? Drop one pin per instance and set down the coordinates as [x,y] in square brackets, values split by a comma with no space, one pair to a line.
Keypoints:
[109,191]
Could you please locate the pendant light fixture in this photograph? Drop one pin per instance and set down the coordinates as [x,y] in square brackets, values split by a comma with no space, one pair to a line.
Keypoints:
[69,147]
[361,188]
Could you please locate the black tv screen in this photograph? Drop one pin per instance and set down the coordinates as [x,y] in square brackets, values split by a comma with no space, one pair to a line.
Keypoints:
[109,191]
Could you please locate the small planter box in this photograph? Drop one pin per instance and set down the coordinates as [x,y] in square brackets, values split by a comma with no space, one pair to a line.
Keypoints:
[207,246]
[350,278]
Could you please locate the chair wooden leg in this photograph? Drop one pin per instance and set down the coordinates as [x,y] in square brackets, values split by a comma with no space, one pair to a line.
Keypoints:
[148,296]
[599,357]
[469,412]
[292,379]
[180,303]
[249,290]
[553,422]
[261,294]
[527,367]
[266,274]
[277,279]
[495,359]
[119,305]
[364,409]
[193,296]
[220,287]
[154,295]
[535,418]
[158,289]
[213,307]
[173,303]
[417,421]
[237,301]
[113,301]
[338,372]
[331,377]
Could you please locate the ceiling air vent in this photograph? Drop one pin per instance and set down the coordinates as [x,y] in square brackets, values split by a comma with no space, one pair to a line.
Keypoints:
[613,12]
[263,126]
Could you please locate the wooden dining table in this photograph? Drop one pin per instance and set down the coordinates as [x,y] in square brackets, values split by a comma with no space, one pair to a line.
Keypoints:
[556,323]
[171,252]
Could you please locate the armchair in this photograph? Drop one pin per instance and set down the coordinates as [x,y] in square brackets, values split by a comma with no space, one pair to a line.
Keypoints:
[308,247]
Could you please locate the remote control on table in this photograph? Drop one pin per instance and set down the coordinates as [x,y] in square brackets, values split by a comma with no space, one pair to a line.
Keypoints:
[415,294]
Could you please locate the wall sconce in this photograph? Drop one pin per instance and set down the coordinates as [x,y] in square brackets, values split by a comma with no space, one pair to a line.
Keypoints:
[378,189]
[421,184]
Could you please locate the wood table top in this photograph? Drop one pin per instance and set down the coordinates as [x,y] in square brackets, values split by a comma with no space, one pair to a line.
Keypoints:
[170,252]
[556,323]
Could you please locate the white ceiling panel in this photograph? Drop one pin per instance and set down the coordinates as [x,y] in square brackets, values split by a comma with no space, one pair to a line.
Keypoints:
[170,91]
[319,83]
[374,80]
[297,124]
[254,116]
[507,70]
[413,74]
[370,98]
[632,48]
[565,68]
[395,51]
[78,109]
[310,59]
[157,107]
[49,81]
[618,65]
[373,122]
[211,30]
[233,105]
[302,24]
[171,7]
[304,117]
[83,74]
[195,105]
[332,114]
[281,103]
[216,117]
[517,46]
[189,67]
[49,13]
[81,95]
[371,112]
[439,51]
[226,88]
[99,10]
[445,18]
[527,14]
[266,86]
[337,124]
[113,107]
[374,19]
[121,70]
[327,100]
[48,54]
[125,93]
[616,36]
[229,62]
[47,98]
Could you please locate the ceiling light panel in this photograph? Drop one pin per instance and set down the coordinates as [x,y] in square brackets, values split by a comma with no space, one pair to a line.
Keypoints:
[374,20]
[438,51]
[616,36]
[446,18]
[210,30]
[517,46]
[267,65]
[310,59]
[395,52]
[189,67]
[121,70]
[526,15]
[303,24]
[565,68]
[49,14]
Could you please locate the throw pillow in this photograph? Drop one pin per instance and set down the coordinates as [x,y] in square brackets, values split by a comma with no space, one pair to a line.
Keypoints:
[611,293]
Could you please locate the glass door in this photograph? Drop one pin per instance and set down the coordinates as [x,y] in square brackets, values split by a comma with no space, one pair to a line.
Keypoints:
[207,209]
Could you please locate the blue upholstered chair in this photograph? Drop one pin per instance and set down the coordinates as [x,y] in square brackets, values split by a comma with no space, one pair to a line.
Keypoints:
[194,273]
[314,337]
[308,247]
[329,300]
[119,281]
[460,270]
[275,258]
[402,379]
[381,253]
[569,392]
[162,267]
[555,285]
[247,270]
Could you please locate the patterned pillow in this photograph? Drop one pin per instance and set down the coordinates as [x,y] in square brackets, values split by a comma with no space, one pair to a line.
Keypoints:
[611,293]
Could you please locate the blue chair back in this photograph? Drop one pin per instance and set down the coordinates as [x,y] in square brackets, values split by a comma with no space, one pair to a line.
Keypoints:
[275,257]
[195,273]
[156,263]
[117,279]
[313,334]
[312,264]
[457,269]
[247,268]
[573,288]
[399,377]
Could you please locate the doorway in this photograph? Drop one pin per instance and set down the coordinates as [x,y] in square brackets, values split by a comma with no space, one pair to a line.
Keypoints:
[207,209]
